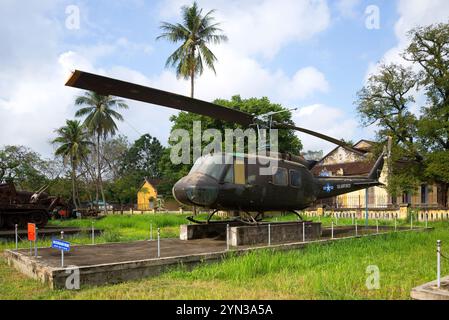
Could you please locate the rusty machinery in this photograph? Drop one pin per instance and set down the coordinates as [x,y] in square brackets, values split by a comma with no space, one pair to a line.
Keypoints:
[22,207]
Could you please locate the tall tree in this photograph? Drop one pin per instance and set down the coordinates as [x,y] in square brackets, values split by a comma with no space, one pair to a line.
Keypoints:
[73,145]
[385,101]
[22,166]
[195,32]
[100,121]
[143,158]
[429,48]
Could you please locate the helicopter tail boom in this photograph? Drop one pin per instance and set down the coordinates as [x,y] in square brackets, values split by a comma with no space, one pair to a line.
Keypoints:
[334,186]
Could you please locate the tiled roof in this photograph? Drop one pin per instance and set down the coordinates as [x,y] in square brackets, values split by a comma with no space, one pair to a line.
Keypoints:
[349,169]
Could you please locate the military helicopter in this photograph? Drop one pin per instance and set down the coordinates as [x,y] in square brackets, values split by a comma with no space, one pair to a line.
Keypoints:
[218,183]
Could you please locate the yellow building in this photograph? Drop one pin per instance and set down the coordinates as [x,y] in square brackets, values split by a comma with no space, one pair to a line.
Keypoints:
[147,195]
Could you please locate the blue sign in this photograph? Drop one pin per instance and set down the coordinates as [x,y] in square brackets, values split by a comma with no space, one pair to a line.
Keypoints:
[328,188]
[60,245]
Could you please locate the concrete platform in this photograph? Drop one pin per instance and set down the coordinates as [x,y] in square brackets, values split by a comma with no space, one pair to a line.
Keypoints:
[118,262]
[430,291]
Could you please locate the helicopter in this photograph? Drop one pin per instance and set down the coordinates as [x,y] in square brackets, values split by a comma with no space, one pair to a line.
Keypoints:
[232,182]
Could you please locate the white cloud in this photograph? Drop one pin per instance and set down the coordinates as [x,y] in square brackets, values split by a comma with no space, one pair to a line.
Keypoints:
[35,66]
[328,120]
[347,8]
[412,13]
[262,26]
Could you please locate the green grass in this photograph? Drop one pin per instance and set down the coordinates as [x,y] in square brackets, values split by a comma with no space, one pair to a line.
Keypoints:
[336,271]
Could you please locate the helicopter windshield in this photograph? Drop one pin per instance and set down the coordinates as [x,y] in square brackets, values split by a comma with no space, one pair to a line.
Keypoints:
[212,165]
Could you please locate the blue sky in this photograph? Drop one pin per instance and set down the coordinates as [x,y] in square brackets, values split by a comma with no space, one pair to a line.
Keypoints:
[311,54]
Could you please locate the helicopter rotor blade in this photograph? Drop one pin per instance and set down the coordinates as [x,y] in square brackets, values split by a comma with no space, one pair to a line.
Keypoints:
[108,86]
[316,134]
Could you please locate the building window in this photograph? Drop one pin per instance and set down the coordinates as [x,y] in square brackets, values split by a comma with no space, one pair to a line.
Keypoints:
[406,198]
[424,193]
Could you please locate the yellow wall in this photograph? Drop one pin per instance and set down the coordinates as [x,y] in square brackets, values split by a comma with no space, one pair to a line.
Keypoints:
[144,195]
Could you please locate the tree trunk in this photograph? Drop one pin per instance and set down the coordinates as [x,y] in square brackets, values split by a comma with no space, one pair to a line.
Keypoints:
[192,83]
[74,186]
[100,182]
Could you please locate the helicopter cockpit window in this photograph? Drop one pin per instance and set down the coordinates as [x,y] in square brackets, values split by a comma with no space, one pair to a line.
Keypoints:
[295,178]
[280,177]
[229,177]
[212,165]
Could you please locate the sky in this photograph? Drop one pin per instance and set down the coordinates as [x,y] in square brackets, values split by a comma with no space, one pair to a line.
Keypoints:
[313,55]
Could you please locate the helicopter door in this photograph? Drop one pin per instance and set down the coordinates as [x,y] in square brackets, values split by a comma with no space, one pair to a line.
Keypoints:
[278,189]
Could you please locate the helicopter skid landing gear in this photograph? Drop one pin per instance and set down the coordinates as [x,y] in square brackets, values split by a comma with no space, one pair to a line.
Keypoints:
[209,217]
[299,216]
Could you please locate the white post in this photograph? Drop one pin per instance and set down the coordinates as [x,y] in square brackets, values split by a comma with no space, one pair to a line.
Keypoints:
[332,229]
[227,237]
[303,231]
[269,234]
[438,263]
[427,217]
[35,244]
[395,224]
[17,237]
[353,218]
[62,251]
[93,233]
[377,226]
[158,242]
[356,230]
[411,220]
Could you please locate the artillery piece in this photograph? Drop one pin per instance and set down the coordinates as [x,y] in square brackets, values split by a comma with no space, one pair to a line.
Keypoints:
[22,207]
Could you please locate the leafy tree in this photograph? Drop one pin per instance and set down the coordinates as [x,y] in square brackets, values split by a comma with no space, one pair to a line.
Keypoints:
[195,32]
[385,101]
[143,157]
[73,145]
[23,167]
[100,121]
[429,48]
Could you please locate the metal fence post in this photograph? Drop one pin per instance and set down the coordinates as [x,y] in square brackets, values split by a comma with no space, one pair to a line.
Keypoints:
[17,237]
[158,242]
[411,220]
[427,218]
[35,244]
[93,233]
[269,234]
[395,224]
[303,232]
[62,251]
[353,218]
[356,229]
[377,226]
[151,232]
[438,263]
[227,237]
[332,229]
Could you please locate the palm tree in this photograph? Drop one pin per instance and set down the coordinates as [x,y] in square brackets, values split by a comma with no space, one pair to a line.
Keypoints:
[100,116]
[195,32]
[73,144]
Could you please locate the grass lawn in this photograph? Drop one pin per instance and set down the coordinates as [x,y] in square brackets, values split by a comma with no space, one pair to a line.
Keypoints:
[336,271]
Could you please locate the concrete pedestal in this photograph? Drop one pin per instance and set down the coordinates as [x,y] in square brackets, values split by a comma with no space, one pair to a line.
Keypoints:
[275,233]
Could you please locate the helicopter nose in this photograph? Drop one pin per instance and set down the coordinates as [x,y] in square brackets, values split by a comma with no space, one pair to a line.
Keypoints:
[196,189]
